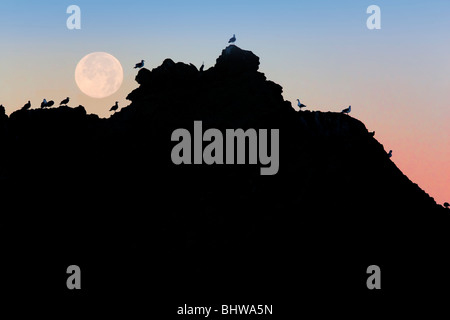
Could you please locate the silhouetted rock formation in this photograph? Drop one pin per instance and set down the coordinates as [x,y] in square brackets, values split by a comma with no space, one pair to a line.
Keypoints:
[77,185]
[235,60]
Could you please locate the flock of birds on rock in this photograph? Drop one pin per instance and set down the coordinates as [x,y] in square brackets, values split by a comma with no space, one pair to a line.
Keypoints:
[115,107]
[344,111]
[48,104]
[141,64]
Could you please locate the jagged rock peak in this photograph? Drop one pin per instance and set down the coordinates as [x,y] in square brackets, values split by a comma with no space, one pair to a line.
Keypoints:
[236,59]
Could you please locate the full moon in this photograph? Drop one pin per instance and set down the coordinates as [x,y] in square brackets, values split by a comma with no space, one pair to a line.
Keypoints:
[99,74]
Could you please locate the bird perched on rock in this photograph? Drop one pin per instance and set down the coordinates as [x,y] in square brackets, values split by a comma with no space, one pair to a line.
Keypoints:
[300,105]
[347,110]
[203,65]
[139,64]
[233,39]
[446,205]
[47,104]
[115,107]
[390,153]
[27,105]
[65,101]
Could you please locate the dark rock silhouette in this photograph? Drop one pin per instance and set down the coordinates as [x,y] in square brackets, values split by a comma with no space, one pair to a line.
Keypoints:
[3,123]
[234,60]
[81,188]
[3,115]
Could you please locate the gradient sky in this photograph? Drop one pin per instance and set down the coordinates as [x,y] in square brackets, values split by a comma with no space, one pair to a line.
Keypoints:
[397,79]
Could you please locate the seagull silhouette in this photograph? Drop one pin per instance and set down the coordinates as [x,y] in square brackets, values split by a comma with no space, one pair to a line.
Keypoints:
[203,65]
[347,110]
[27,105]
[65,101]
[47,104]
[233,39]
[115,107]
[300,105]
[139,64]
[390,153]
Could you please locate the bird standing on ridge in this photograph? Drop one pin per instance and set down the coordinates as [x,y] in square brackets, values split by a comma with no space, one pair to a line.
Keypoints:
[233,39]
[27,105]
[45,104]
[446,205]
[347,110]
[203,65]
[65,101]
[139,64]
[115,107]
[390,153]
[300,105]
